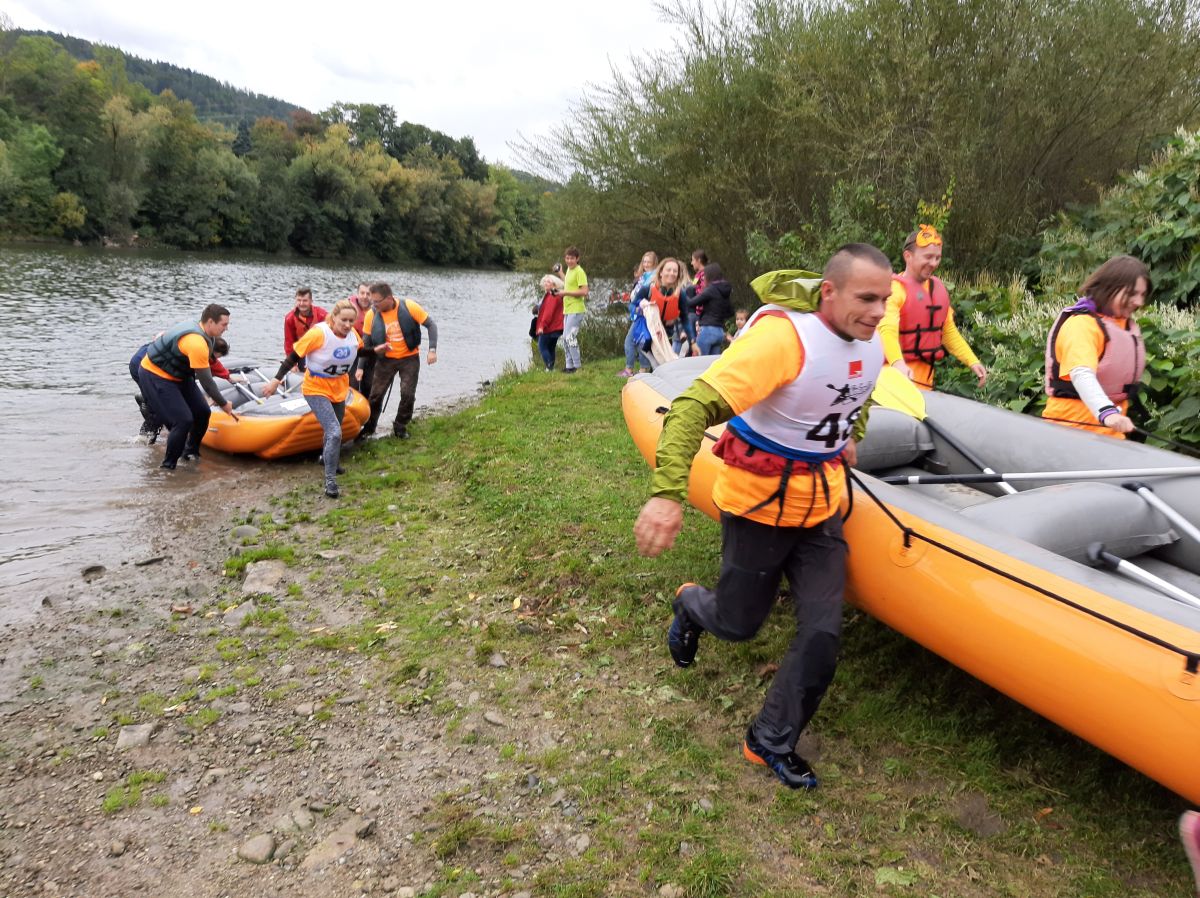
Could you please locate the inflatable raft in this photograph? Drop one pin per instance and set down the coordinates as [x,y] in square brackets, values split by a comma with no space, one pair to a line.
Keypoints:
[1006,586]
[279,425]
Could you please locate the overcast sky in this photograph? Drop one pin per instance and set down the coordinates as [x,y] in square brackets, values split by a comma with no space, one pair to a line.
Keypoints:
[489,70]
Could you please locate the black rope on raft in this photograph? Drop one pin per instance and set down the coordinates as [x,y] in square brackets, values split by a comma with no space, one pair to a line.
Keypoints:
[1191,659]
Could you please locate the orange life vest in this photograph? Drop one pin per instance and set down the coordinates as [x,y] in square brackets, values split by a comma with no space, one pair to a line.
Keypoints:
[921,319]
[668,304]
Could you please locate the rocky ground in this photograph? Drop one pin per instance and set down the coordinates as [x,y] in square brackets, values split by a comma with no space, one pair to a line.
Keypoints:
[168,729]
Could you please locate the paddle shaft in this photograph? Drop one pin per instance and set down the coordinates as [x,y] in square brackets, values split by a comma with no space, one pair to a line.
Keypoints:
[246,390]
[1097,555]
[918,479]
[283,391]
[1167,511]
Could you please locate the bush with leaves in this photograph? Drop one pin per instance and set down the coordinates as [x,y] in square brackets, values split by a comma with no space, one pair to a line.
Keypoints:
[1153,214]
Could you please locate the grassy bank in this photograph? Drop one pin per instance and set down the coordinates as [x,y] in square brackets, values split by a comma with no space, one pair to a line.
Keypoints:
[494,550]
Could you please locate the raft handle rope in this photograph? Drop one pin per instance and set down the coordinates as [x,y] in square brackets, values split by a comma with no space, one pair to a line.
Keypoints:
[1191,659]
[1150,434]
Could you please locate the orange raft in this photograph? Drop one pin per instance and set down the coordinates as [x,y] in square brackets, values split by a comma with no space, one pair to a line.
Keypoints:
[276,426]
[999,586]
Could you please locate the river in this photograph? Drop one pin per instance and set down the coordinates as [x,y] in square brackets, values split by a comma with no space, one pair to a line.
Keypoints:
[80,488]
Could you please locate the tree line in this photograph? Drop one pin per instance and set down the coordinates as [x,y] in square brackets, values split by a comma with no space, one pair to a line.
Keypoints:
[88,153]
[773,131]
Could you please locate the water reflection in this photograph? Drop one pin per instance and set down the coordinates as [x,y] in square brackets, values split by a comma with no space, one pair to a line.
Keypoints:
[78,482]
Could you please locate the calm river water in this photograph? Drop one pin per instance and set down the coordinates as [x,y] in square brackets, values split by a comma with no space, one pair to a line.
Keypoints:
[79,487]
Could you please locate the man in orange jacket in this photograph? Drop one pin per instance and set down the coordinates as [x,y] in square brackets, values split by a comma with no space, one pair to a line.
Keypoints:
[918,327]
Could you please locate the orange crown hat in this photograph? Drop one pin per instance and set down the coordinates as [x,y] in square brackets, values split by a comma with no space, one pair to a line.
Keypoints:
[927,235]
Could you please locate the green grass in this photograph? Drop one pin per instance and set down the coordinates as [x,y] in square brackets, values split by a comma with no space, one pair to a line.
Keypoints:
[129,792]
[238,563]
[932,784]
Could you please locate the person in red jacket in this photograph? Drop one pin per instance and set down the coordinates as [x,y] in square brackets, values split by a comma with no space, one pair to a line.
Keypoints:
[297,322]
[549,324]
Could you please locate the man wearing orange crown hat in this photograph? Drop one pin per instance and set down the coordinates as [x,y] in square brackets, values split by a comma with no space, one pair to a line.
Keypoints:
[918,328]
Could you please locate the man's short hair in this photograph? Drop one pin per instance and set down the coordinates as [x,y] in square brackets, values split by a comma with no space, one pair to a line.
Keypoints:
[843,259]
[305,291]
[382,288]
[571,251]
[213,312]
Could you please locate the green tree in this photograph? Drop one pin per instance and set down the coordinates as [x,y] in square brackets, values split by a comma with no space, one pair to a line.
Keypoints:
[66,97]
[753,120]
[335,202]
[272,148]
[122,152]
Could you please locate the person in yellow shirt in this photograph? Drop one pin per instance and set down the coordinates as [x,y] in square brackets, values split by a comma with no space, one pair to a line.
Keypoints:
[1095,356]
[175,360]
[392,330]
[330,346]
[792,388]
[918,328]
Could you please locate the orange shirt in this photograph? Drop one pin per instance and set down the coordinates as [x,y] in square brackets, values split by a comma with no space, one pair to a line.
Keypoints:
[335,389]
[1079,344]
[194,346]
[397,348]
[767,356]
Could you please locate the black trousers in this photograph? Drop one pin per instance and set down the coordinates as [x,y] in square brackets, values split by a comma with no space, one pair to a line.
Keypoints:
[754,558]
[409,370]
[181,407]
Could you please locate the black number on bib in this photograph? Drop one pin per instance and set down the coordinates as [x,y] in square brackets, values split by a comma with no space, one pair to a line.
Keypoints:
[334,370]
[827,430]
[832,429]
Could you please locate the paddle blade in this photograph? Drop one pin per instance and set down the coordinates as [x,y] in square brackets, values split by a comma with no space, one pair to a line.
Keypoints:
[895,391]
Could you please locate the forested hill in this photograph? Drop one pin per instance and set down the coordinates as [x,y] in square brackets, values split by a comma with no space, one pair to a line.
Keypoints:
[214,100]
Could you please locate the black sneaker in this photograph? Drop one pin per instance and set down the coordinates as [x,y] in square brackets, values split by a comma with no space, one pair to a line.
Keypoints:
[190,456]
[331,489]
[338,470]
[683,636]
[793,771]
[168,465]
[400,433]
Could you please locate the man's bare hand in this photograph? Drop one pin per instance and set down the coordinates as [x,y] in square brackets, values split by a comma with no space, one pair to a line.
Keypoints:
[657,526]
[850,453]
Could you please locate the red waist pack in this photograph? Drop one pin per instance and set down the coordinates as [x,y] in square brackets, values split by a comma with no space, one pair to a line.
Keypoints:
[737,453]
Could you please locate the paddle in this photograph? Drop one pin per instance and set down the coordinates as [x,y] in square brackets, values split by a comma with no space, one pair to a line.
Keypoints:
[1167,511]
[895,391]
[1101,474]
[283,391]
[246,390]
[1098,557]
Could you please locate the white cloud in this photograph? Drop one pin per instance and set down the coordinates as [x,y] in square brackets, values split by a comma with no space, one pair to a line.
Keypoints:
[466,67]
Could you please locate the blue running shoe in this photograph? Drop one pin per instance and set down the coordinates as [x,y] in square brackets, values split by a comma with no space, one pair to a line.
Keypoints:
[793,771]
[683,636]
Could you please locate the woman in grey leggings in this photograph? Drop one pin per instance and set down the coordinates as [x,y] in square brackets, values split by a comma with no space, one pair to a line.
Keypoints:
[330,349]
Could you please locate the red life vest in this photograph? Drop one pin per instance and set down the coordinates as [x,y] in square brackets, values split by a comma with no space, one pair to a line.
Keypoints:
[1122,360]
[668,304]
[921,319]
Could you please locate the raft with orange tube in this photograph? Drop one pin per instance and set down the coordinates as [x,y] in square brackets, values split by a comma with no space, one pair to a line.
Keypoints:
[1009,587]
[275,426]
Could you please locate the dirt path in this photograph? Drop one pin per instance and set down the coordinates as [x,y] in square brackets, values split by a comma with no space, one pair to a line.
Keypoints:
[273,765]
